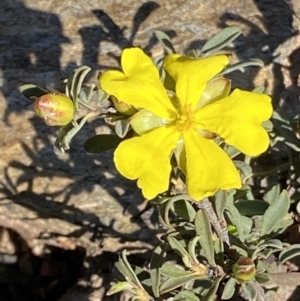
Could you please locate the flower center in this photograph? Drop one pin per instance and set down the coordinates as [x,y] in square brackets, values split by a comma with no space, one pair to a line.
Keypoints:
[186,119]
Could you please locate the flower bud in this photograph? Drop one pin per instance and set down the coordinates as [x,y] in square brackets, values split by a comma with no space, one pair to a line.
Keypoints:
[244,269]
[55,109]
[144,121]
[123,107]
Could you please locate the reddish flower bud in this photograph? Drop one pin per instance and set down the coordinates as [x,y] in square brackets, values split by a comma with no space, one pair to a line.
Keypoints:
[55,109]
[244,269]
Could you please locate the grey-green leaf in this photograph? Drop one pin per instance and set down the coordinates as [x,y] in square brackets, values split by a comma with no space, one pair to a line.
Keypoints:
[220,201]
[243,167]
[186,296]
[235,218]
[177,246]
[289,253]
[211,293]
[221,39]
[229,289]
[242,65]
[118,287]
[172,283]
[155,266]
[122,127]
[203,230]
[165,41]
[171,270]
[285,130]
[272,193]
[184,209]
[249,291]
[275,213]
[32,92]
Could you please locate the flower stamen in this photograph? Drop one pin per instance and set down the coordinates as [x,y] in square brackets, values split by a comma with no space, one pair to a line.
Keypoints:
[186,119]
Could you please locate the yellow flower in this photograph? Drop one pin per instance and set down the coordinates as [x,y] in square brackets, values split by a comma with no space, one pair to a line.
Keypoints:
[194,114]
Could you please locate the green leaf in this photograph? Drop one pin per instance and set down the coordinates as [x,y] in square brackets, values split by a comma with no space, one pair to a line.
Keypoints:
[67,132]
[201,286]
[122,127]
[172,283]
[262,266]
[275,213]
[178,247]
[32,92]
[247,224]
[74,83]
[231,151]
[238,245]
[283,223]
[249,291]
[186,296]
[289,253]
[172,270]
[266,248]
[219,251]
[235,218]
[259,89]
[221,39]
[251,207]
[192,248]
[211,293]
[272,194]
[126,269]
[262,278]
[267,125]
[242,65]
[169,205]
[243,167]
[101,95]
[156,263]
[220,201]
[271,243]
[298,207]
[118,287]
[165,41]
[285,130]
[185,210]
[101,143]
[203,230]
[229,289]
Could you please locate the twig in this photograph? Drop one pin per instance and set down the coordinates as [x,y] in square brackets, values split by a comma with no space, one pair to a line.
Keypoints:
[219,227]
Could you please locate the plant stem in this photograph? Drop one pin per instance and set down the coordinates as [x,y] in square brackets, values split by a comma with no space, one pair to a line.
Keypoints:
[219,227]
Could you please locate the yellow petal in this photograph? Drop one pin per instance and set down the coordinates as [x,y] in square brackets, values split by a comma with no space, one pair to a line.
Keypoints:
[147,158]
[192,74]
[237,119]
[208,167]
[139,84]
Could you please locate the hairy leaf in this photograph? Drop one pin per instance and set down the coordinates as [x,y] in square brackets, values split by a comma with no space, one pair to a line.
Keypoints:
[229,289]
[249,291]
[289,253]
[165,41]
[275,213]
[203,230]
[221,39]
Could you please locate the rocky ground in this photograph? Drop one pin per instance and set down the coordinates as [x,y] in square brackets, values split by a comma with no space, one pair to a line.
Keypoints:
[61,201]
